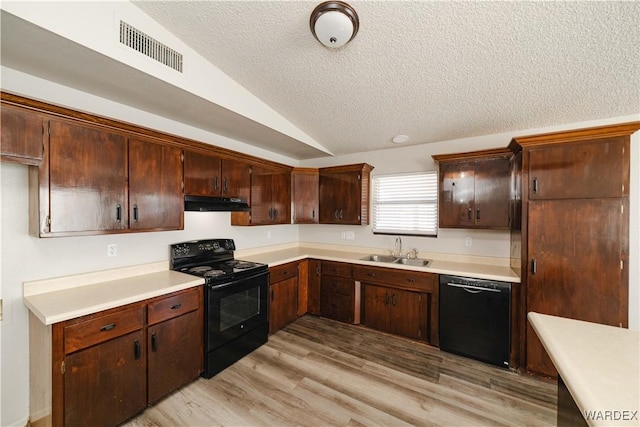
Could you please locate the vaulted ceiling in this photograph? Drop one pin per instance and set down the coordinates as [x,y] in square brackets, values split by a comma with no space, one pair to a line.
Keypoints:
[433,70]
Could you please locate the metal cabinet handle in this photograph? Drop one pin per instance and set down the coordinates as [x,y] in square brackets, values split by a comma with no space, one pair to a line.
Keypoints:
[469,214]
[135,213]
[535,185]
[393,299]
[386,299]
[176,306]
[371,274]
[335,214]
[136,349]
[340,213]
[313,213]
[224,185]
[534,266]
[318,270]
[108,327]
[410,279]
[478,214]
[216,183]
[118,213]
[154,342]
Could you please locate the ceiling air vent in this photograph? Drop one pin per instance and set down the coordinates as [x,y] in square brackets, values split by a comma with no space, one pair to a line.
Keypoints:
[143,43]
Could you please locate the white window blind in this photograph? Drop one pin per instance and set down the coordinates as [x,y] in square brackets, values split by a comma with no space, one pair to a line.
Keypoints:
[406,204]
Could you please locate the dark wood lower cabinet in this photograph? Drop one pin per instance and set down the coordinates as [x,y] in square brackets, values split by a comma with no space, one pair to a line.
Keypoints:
[337,298]
[395,311]
[175,354]
[283,303]
[106,384]
[313,291]
[109,366]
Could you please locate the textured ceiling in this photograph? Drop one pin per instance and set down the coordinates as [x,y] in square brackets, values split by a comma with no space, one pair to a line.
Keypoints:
[432,70]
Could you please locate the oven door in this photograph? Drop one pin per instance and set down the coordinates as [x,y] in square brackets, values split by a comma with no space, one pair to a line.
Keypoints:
[235,308]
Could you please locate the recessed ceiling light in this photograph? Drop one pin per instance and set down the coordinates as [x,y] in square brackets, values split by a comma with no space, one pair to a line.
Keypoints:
[399,139]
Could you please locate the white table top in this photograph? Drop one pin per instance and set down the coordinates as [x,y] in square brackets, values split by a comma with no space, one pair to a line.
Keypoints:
[599,364]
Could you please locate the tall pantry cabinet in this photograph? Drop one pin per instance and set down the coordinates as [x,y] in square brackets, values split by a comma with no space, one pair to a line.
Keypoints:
[574,229]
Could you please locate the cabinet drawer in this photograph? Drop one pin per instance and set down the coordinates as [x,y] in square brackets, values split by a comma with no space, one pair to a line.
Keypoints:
[337,285]
[173,306]
[337,307]
[389,276]
[333,268]
[94,331]
[283,272]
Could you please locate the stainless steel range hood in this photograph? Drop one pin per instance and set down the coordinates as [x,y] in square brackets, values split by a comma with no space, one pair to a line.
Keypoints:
[215,204]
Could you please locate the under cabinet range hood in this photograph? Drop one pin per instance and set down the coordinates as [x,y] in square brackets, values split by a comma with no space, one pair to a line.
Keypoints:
[215,204]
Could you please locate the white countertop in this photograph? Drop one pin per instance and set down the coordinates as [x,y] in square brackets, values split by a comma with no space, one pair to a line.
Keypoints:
[58,299]
[466,269]
[599,364]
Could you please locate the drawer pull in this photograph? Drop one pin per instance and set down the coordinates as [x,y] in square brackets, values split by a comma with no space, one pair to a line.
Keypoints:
[371,274]
[136,349]
[108,327]
[284,273]
[176,306]
[410,279]
[386,299]
[154,342]
[393,299]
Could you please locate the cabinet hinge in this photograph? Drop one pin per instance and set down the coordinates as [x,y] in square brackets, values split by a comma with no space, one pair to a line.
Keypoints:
[182,185]
[622,188]
[621,264]
[182,157]
[622,208]
[48,220]
[359,177]
[49,128]
[63,368]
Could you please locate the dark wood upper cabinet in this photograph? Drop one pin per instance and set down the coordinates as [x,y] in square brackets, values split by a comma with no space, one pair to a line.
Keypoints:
[590,169]
[156,201]
[270,198]
[94,180]
[305,188]
[574,228]
[344,194]
[207,175]
[83,180]
[474,189]
[22,139]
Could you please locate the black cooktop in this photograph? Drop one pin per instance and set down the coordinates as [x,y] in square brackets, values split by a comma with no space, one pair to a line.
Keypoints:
[212,259]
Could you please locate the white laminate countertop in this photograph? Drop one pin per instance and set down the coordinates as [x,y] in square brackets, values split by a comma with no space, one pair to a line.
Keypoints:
[479,271]
[63,298]
[599,364]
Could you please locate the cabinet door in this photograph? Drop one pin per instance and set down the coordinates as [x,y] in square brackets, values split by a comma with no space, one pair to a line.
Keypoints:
[106,384]
[201,174]
[261,196]
[281,197]
[590,169]
[236,178]
[457,194]
[155,186]
[87,179]
[283,303]
[315,273]
[575,255]
[377,302]
[408,314]
[175,354]
[305,190]
[22,136]
[491,189]
[340,198]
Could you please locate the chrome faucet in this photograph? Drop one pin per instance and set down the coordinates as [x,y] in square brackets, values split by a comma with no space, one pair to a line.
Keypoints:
[398,249]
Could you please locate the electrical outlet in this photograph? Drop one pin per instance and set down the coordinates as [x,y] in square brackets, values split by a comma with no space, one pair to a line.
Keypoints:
[351,235]
[112,249]
[343,235]
[468,241]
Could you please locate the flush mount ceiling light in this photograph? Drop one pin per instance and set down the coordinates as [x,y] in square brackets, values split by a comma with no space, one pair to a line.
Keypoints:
[400,139]
[334,23]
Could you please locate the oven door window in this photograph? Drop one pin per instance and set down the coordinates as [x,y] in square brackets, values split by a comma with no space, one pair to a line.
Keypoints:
[234,309]
[239,307]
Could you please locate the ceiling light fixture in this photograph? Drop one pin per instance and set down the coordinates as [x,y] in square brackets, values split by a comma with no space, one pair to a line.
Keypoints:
[400,139]
[334,23]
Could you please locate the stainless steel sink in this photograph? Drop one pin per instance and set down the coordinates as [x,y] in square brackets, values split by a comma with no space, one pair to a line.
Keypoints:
[380,258]
[397,260]
[413,261]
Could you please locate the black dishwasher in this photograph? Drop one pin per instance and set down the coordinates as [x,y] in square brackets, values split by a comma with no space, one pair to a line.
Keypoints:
[475,318]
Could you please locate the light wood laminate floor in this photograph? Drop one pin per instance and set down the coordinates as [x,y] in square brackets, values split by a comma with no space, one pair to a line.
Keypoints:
[317,372]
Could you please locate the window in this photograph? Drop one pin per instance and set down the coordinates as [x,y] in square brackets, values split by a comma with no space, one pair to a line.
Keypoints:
[406,204]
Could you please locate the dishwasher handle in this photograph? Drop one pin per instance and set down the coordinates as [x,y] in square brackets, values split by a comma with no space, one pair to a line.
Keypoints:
[473,289]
